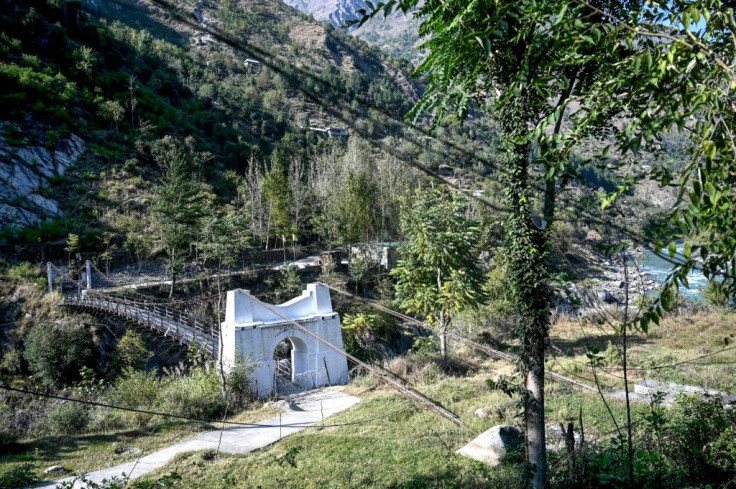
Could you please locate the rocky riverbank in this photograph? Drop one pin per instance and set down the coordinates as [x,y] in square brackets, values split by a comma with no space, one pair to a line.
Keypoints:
[608,287]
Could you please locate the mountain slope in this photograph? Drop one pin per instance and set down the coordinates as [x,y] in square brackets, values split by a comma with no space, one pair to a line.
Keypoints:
[396,35]
[114,76]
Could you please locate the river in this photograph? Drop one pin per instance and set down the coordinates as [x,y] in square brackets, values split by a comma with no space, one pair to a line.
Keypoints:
[657,268]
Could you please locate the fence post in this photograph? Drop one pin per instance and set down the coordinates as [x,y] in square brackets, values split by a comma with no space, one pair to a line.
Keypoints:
[50,276]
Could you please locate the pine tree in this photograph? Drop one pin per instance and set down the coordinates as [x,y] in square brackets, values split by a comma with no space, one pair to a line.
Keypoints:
[178,202]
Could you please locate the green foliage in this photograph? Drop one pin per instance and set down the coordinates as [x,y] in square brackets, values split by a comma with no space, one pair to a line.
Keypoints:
[57,352]
[361,270]
[277,195]
[426,346]
[134,389]
[694,423]
[691,445]
[81,482]
[22,272]
[132,351]
[438,273]
[224,239]
[286,284]
[496,316]
[238,380]
[197,394]
[72,243]
[355,213]
[715,294]
[23,475]
[363,331]
[179,200]
[11,362]
[67,419]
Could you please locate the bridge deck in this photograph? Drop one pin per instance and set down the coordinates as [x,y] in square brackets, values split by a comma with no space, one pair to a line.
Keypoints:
[164,319]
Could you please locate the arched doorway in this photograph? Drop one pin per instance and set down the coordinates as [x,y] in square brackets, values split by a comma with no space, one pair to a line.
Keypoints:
[282,355]
[290,357]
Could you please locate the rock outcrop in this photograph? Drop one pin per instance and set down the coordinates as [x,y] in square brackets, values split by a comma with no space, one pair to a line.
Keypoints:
[25,177]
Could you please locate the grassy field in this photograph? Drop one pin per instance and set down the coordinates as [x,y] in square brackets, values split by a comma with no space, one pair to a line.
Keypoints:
[389,442]
[386,441]
[695,348]
[85,453]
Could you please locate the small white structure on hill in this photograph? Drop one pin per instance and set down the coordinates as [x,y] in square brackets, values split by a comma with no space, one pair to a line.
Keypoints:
[253,333]
[330,131]
[252,64]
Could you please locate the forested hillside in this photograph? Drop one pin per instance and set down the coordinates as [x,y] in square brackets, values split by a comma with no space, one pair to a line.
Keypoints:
[123,76]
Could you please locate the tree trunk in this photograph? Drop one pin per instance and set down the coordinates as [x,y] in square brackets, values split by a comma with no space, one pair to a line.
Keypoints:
[534,417]
[527,251]
[173,284]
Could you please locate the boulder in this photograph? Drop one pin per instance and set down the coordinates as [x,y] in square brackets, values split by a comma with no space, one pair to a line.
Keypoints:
[493,445]
[54,469]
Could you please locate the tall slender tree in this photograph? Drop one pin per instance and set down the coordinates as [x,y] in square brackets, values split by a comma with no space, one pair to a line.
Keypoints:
[179,203]
[512,56]
[438,274]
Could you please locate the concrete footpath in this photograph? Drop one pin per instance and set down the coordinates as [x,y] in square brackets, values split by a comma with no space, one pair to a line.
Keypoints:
[305,409]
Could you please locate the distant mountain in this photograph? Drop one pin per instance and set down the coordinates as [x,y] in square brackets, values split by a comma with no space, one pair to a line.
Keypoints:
[397,35]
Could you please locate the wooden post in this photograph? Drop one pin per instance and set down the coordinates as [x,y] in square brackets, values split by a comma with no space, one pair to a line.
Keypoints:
[569,436]
[50,276]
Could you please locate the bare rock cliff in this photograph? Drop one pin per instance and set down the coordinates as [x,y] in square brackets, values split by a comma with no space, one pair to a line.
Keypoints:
[26,174]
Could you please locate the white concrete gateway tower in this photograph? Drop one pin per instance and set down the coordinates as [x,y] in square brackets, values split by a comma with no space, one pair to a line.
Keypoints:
[285,358]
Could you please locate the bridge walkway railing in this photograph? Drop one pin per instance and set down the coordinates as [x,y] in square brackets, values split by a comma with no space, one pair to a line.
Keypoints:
[165,319]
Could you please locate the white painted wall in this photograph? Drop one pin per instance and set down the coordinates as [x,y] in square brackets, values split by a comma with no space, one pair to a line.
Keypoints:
[251,333]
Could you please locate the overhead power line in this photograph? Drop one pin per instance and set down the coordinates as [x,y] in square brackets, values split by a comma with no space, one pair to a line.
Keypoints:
[279,65]
[397,383]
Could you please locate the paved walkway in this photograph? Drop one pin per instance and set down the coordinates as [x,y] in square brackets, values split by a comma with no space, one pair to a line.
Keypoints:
[307,408]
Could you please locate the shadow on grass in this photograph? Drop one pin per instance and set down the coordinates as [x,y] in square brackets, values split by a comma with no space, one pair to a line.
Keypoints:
[52,448]
[580,346]
[505,476]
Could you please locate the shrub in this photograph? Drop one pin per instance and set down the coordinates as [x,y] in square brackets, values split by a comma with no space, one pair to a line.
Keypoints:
[238,385]
[11,361]
[22,475]
[691,445]
[132,351]
[67,419]
[695,423]
[57,353]
[360,332]
[198,394]
[21,271]
[137,390]
[715,294]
